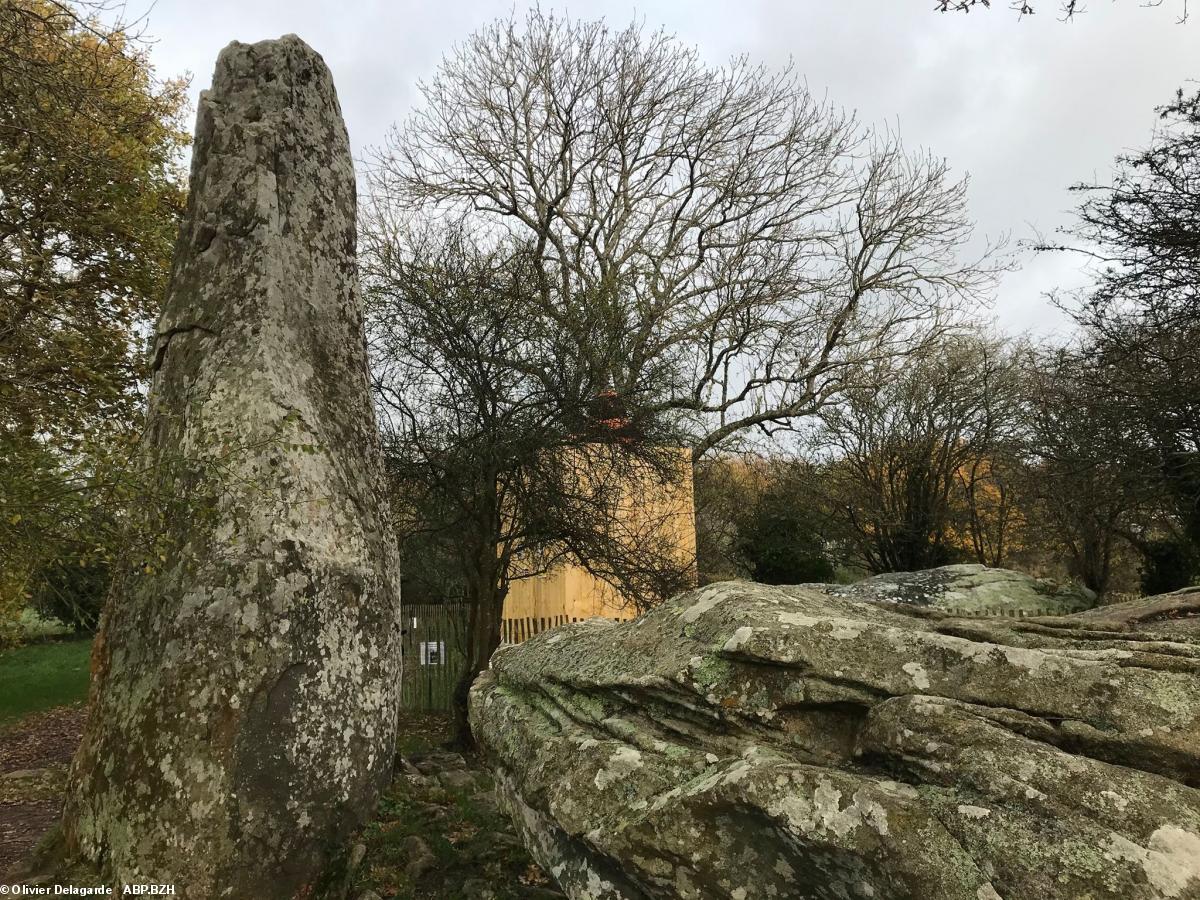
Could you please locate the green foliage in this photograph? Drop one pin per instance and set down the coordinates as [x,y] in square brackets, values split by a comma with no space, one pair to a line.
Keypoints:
[781,539]
[765,519]
[62,524]
[42,676]
[1167,565]
[73,592]
[35,627]
[90,197]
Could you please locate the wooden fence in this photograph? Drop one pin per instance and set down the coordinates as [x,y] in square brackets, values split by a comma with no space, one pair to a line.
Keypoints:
[435,645]
[434,653]
[435,649]
[514,631]
[1000,612]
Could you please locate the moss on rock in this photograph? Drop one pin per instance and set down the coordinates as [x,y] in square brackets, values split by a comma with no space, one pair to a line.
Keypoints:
[750,741]
[245,676]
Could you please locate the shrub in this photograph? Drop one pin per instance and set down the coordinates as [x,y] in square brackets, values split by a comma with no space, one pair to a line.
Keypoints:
[72,592]
[1167,565]
[781,540]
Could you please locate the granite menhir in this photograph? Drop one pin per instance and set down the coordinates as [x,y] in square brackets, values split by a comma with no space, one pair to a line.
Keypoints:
[246,674]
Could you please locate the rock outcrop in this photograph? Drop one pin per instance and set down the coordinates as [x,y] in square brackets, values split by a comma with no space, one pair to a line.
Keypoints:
[1175,613]
[970,589]
[246,674]
[745,741]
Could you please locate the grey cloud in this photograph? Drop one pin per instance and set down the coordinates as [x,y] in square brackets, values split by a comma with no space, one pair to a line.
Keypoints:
[1025,106]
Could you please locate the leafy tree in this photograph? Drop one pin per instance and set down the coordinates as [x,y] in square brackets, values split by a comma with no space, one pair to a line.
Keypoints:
[764,518]
[73,592]
[90,196]
[1167,565]
[781,535]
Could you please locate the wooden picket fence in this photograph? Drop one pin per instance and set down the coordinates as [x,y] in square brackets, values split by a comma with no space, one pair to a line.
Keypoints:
[1000,612]
[435,643]
[514,631]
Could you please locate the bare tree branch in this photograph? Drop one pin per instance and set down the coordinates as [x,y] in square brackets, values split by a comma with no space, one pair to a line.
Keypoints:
[721,247]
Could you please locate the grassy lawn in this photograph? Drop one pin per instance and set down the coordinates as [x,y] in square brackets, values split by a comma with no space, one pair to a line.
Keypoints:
[40,676]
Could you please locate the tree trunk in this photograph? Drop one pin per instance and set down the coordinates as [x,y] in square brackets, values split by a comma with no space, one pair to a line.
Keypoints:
[1093,560]
[483,639]
[246,674]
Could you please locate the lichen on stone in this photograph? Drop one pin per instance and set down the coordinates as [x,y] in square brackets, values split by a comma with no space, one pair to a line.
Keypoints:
[752,741]
[245,688]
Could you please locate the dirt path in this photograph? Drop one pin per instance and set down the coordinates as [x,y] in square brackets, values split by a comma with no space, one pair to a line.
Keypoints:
[34,755]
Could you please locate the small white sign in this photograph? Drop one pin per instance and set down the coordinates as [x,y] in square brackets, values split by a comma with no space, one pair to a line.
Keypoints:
[433,653]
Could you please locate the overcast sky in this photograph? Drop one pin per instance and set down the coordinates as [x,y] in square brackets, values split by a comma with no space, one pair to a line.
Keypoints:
[1025,106]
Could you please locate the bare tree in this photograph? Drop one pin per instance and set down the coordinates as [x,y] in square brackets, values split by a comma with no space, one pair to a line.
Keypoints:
[1068,9]
[498,475]
[1087,470]
[904,450]
[714,250]
[990,498]
[1140,233]
[723,249]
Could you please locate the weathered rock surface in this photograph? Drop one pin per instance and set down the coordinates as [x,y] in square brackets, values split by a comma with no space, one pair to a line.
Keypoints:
[245,684]
[1174,613]
[745,741]
[970,589]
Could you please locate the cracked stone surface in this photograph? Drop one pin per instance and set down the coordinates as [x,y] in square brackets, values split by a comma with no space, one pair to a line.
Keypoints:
[246,673]
[970,589]
[746,741]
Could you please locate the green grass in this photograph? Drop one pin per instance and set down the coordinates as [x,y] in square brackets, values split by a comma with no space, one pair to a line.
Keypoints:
[37,677]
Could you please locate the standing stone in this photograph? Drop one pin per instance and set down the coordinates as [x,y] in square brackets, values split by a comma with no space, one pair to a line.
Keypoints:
[246,674]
